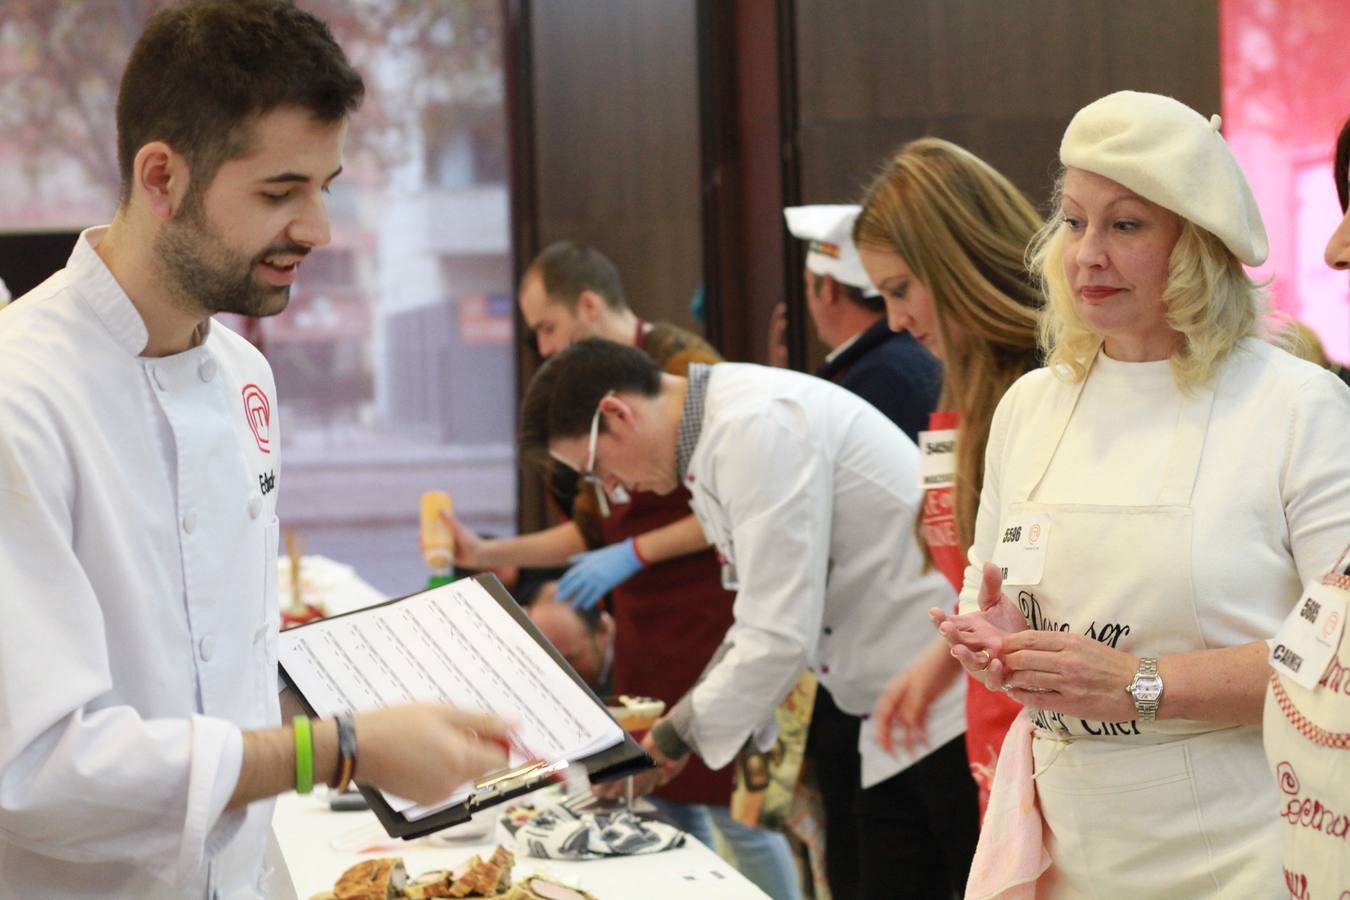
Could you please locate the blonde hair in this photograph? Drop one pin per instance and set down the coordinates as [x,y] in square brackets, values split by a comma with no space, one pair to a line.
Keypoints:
[1211,303]
[962,229]
[1297,339]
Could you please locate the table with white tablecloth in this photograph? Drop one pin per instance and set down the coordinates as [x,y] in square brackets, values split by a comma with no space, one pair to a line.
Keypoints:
[319,844]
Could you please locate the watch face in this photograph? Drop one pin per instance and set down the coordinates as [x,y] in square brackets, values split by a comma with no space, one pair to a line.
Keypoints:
[1147,687]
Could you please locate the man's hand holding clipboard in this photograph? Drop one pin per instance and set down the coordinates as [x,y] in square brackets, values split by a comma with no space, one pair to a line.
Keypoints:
[430,682]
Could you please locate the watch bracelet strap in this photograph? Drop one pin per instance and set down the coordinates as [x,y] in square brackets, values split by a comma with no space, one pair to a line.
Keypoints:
[1147,710]
[346,768]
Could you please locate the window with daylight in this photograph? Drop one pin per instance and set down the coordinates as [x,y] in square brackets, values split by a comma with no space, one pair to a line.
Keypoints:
[394,360]
[1286,90]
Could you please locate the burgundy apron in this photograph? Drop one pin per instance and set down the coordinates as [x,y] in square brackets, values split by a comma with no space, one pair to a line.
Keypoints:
[670,618]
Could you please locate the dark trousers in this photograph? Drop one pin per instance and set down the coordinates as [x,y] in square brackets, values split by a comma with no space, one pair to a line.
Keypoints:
[912,835]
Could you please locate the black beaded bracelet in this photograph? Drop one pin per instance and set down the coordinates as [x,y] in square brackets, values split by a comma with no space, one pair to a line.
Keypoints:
[346,770]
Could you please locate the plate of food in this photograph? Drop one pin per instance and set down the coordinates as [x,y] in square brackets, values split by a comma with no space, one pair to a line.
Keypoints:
[387,878]
[635,714]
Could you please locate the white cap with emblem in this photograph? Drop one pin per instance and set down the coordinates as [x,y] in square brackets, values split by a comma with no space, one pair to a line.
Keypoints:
[829,231]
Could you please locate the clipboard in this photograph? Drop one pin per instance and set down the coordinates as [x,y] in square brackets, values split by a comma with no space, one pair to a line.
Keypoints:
[617,761]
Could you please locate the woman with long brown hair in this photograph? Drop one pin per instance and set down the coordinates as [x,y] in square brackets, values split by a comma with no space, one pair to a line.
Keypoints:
[943,235]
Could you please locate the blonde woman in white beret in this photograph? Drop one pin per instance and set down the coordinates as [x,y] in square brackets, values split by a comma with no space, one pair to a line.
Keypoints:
[1153,501]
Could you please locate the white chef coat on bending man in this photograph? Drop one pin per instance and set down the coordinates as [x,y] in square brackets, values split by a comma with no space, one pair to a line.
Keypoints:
[808,492]
[810,497]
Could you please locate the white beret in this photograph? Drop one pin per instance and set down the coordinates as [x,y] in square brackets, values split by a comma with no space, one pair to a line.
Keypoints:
[1166,152]
[829,229]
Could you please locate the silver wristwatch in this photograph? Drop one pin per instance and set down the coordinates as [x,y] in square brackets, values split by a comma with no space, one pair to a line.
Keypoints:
[1147,689]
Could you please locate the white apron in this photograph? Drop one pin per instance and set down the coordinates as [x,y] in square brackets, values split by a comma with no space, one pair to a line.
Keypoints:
[1307,735]
[1138,809]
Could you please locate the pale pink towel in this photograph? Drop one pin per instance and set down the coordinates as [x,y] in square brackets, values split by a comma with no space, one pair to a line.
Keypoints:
[1011,854]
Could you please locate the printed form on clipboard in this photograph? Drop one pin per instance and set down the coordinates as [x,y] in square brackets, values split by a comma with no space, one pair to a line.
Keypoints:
[456,644]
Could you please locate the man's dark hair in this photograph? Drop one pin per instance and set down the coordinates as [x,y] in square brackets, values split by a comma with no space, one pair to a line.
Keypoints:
[569,267]
[564,394]
[203,70]
[855,294]
[1341,168]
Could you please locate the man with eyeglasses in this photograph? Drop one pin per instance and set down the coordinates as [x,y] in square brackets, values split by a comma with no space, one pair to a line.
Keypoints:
[809,493]
[645,550]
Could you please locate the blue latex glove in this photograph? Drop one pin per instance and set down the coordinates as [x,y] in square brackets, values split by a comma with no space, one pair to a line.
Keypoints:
[596,572]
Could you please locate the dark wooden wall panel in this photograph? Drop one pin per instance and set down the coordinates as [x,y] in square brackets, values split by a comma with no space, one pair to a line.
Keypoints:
[616,141]
[1001,77]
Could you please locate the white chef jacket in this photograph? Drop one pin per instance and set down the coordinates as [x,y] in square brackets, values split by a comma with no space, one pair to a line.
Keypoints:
[138,539]
[811,494]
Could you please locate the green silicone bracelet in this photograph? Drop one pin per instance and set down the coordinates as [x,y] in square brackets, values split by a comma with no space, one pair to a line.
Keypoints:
[304,755]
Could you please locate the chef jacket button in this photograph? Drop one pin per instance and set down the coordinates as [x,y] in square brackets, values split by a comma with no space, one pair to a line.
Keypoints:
[829,630]
[189,521]
[207,370]
[255,505]
[159,379]
[824,669]
[205,648]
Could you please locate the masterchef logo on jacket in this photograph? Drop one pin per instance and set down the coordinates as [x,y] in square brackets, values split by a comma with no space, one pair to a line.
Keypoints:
[258,414]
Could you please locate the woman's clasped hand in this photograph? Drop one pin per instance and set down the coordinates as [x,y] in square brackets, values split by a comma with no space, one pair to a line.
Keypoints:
[1052,670]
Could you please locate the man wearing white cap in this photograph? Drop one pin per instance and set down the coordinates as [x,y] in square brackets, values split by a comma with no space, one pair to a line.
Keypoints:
[890,370]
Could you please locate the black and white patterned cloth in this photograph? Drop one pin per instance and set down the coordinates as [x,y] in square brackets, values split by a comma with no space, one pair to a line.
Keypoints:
[556,833]
[691,417]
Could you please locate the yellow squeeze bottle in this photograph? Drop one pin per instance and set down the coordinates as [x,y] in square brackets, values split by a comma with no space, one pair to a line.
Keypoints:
[437,538]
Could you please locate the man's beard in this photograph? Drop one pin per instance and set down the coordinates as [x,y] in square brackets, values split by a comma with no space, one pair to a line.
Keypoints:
[206,274]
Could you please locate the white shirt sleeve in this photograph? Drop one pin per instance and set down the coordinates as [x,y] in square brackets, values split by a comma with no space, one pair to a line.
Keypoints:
[1315,480]
[991,502]
[777,489]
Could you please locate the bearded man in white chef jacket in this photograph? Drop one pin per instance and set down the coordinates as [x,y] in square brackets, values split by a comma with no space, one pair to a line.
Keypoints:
[138,476]
[809,494]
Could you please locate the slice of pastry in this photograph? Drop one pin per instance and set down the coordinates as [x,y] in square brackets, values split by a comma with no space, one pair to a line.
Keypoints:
[372,879]
[503,859]
[479,880]
[435,883]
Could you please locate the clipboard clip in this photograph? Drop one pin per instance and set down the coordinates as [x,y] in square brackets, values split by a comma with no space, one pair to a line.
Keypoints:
[519,780]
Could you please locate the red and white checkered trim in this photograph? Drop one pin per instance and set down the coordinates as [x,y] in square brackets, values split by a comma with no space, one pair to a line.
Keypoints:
[1335,740]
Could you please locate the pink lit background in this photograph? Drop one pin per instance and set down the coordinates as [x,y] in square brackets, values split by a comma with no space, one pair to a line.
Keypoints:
[1285,71]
